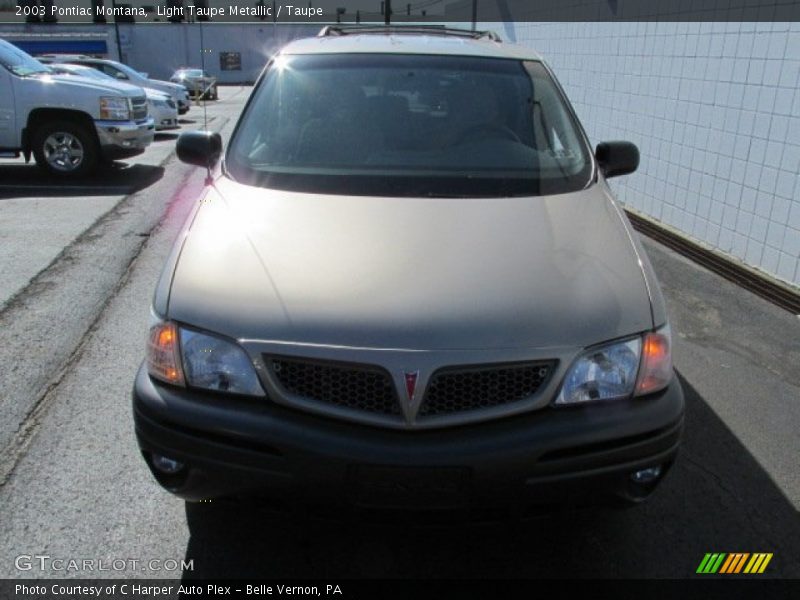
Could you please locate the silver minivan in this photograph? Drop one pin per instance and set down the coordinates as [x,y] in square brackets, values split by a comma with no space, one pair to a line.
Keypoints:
[408,286]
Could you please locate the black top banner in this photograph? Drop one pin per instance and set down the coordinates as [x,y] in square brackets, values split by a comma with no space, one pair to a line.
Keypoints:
[392,11]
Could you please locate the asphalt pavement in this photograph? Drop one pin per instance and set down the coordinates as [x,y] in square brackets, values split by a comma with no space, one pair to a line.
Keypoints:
[65,252]
[75,486]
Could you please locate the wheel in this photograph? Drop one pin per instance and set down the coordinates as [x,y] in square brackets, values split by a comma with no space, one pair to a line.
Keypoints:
[214,93]
[65,149]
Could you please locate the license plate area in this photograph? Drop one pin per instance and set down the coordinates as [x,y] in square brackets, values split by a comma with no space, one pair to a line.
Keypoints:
[410,487]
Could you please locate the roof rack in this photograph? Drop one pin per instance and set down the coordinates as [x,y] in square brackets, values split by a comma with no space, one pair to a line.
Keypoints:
[337,30]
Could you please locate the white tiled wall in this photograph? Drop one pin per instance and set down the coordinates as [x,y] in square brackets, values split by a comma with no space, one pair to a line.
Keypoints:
[715,111]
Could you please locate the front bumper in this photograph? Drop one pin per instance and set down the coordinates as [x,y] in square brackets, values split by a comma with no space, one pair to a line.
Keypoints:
[167,123]
[123,139]
[184,102]
[239,446]
[164,117]
[206,89]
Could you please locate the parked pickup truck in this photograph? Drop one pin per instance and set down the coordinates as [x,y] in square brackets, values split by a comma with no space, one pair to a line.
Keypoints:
[69,124]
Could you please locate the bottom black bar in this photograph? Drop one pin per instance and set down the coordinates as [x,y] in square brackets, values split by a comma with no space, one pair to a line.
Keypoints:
[729,587]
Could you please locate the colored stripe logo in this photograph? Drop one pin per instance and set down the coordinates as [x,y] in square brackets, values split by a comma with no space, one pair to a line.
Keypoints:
[734,562]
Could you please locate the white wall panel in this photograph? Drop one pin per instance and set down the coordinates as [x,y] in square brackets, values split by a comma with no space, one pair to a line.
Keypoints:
[715,111]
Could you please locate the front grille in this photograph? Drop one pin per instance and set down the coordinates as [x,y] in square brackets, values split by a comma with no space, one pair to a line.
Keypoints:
[139,108]
[355,386]
[462,389]
[171,103]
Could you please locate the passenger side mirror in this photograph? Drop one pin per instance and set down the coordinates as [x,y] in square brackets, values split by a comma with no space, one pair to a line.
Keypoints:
[201,148]
[617,158]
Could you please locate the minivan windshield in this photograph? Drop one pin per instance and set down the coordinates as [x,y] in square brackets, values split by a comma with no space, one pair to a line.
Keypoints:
[409,125]
[19,62]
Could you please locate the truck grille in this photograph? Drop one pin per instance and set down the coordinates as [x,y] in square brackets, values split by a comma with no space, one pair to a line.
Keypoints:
[461,389]
[355,386]
[139,108]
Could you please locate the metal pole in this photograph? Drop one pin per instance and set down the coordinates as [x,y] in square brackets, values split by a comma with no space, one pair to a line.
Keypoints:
[474,14]
[116,31]
[387,12]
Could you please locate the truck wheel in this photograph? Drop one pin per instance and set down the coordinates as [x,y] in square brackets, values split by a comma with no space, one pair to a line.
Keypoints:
[65,149]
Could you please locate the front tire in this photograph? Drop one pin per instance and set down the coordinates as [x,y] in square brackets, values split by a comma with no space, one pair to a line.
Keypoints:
[65,149]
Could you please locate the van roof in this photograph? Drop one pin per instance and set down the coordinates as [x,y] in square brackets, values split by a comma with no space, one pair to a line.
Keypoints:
[411,40]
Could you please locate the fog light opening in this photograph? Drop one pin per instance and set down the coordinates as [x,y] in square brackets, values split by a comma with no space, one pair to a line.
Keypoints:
[167,466]
[648,475]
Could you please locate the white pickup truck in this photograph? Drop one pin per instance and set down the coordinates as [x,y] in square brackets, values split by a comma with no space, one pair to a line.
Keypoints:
[69,124]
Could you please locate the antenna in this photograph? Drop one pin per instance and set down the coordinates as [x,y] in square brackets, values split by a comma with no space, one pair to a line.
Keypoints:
[209,179]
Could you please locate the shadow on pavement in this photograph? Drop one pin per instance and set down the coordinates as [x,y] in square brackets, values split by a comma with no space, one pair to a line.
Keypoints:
[114,179]
[715,499]
[163,136]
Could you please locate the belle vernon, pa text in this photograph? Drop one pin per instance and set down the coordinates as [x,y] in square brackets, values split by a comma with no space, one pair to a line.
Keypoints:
[135,589]
[288,10]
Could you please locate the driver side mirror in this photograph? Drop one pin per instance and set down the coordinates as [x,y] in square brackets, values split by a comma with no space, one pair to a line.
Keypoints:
[201,148]
[617,158]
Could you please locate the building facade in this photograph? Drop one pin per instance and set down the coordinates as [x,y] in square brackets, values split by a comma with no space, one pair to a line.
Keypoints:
[715,111]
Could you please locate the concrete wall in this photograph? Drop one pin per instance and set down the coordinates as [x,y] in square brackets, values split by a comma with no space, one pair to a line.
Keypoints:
[159,49]
[715,111]
[12,32]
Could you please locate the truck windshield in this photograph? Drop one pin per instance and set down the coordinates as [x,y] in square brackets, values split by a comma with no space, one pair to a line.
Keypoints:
[409,125]
[19,62]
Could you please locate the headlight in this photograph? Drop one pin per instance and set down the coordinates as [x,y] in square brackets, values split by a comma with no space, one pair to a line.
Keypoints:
[604,373]
[213,363]
[186,357]
[638,366]
[158,102]
[113,108]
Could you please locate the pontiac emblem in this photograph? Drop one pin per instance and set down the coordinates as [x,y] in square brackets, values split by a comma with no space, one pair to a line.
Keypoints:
[411,384]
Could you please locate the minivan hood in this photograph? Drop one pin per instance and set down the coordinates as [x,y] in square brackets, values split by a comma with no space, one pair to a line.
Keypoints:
[410,273]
